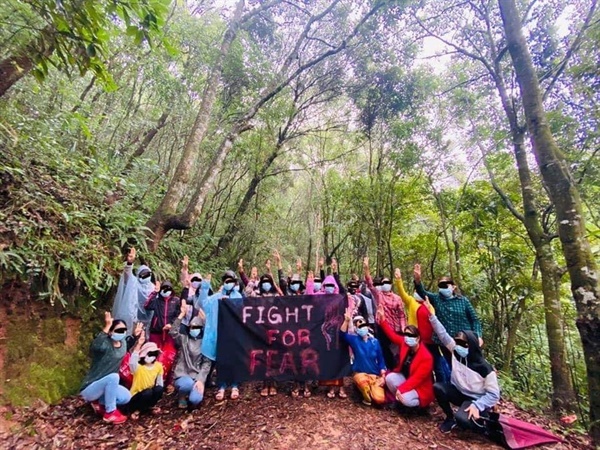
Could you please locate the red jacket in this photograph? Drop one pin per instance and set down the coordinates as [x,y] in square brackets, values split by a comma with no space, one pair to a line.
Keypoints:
[420,376]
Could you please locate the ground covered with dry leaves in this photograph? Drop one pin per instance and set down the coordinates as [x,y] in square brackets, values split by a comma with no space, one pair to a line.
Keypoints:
[250,422]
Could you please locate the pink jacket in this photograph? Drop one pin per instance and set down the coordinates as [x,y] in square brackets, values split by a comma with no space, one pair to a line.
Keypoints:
[329,279]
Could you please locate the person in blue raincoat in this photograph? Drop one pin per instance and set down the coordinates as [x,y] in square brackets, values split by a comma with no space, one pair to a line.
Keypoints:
[132,293]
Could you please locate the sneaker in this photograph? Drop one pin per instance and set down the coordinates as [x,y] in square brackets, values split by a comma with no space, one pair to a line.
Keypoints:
[98,408]
[447,426]
[114,417]
[182,403]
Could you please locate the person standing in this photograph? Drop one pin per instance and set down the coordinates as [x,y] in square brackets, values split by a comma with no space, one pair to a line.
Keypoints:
[393,309]
[453,310]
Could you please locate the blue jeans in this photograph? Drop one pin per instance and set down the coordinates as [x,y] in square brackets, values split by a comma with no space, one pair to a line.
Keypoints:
[185,386]
[108,392]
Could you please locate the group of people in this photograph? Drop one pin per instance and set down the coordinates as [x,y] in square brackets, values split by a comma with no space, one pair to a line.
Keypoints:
[412,349]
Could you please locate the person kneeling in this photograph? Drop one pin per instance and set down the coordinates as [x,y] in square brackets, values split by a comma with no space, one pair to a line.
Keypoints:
[368,366]
[411,380]
[473,382]
[147,387]
[192,367]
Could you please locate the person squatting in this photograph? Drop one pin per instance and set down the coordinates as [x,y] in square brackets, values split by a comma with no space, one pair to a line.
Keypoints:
[411,349]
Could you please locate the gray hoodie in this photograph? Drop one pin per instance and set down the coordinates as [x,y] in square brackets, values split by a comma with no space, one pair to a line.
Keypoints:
[189,358]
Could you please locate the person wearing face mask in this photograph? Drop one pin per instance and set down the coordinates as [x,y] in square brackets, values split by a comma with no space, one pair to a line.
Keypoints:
[418,315]
[147,387]
[454,311]
[266,288]
[165,306]
[410,381]
[473,384]
[368,366]
[211,308]
[193,293]
[393,309]
[101,384]
[132,293]
[192,368]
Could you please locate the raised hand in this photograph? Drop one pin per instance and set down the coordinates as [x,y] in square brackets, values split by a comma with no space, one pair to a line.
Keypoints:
[108,319]
[334,265]
[380,316]
[311,275]
[430,308]
[298,265]
[417,273]
[156,286]
[347,315]
[241,266]
[366,263]
[138,330]
[185,262]
[321,262]
[397,274]
[268,265]
[183,309]
[131,255]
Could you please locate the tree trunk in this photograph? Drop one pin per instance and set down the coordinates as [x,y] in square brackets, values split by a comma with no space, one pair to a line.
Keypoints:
[565,196]
[15,67]
[148,137]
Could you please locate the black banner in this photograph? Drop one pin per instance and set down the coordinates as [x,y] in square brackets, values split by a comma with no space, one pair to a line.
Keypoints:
[282,338]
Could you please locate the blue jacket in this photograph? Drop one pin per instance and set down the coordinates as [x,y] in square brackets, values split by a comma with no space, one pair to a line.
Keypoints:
[368,357]
[210,305]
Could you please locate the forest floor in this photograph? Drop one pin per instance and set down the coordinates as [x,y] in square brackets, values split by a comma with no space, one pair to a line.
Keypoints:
[251,422]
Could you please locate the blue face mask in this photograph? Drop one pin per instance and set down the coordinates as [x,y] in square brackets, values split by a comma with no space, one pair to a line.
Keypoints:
[446,292]
[386,287]
[329,289]
[195,333]
[196,284]
[410,341]
[118,336]
[461,351]
[317,287]
[295,287]
[266,286]
[228,286]
[362,331]
[236,288]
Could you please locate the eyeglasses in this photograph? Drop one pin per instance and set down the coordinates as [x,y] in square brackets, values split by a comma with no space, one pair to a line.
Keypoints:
[120,330]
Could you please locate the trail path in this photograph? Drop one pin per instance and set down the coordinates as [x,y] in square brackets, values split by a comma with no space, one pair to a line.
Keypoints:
[251,422]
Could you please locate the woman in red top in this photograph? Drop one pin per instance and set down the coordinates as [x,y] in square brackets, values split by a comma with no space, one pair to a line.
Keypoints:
[411,380]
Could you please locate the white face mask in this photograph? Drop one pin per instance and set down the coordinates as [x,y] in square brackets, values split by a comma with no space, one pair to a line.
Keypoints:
[145,281]
[150,359]
[196,284]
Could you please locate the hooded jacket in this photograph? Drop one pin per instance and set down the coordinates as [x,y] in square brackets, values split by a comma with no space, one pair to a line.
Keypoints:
[329,279]
[473,375]
[194,297]
[165,309]
[189,356]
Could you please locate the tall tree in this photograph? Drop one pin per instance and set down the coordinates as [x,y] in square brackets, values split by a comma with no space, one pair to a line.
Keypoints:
[565,196]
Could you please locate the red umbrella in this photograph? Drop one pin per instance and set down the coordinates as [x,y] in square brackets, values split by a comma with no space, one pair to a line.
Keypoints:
[519,434]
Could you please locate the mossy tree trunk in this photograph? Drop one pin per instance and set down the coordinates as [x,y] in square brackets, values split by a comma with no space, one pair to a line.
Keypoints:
[565,196]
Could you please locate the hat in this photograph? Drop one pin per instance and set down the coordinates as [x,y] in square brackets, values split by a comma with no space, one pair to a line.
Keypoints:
[196,322]
[228,274]
[147,348]
[165,284]
[359,318]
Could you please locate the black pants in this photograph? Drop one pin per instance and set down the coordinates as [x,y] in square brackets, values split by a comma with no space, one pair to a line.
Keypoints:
[146,399]
[446,393]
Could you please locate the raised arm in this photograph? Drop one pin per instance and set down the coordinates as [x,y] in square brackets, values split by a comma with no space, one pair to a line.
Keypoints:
[185,275]
[369,280]
[419,286]
[407,299]
[243,276]
[336,276]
